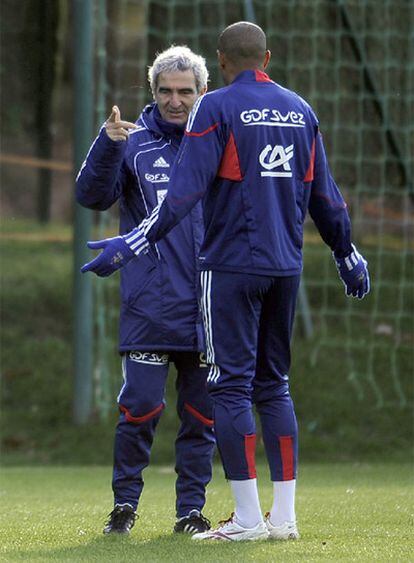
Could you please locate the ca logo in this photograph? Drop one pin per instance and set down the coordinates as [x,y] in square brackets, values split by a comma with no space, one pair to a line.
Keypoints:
[278,158]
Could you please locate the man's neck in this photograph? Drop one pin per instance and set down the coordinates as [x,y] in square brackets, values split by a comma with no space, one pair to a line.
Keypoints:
[168,128]
[231,73]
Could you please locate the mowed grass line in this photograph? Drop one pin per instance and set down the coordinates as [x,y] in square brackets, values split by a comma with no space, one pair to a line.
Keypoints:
[348,512]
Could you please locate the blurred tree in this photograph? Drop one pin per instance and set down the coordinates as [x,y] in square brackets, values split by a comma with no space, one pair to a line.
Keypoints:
[28,50]
[46,12]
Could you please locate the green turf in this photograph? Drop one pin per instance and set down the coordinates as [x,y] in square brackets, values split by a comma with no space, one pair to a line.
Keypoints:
[348,512]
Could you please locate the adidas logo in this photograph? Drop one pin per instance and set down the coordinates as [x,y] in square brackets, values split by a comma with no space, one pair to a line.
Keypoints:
[160,163]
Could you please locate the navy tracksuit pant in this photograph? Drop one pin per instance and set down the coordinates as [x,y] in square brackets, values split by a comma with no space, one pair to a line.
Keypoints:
[141,401]
[248,323]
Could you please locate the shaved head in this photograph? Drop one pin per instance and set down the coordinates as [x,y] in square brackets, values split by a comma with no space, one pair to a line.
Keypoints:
[243,43]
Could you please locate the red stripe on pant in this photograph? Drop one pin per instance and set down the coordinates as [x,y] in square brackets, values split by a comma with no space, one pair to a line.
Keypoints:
[250,452]
[198,415]
[286,453]
[140,419]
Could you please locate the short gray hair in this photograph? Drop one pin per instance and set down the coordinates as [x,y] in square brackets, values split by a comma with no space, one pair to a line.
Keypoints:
[178,58]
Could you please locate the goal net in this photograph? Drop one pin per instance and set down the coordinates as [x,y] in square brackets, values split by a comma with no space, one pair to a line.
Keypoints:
[354,62]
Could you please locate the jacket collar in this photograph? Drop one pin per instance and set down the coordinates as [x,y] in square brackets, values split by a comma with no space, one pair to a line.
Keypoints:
[152,120]
[252,76]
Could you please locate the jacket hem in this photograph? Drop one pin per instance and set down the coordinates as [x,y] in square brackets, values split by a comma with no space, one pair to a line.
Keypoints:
[250,270]
[156,348]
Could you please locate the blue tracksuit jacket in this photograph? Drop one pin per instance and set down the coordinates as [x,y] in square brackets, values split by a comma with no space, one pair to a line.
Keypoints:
[254,151]
[159,308]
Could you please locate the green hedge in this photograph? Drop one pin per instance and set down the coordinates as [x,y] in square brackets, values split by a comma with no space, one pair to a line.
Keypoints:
[36,336]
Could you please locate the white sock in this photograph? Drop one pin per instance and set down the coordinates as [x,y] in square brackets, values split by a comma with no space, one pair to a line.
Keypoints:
[283,509]
[248,512]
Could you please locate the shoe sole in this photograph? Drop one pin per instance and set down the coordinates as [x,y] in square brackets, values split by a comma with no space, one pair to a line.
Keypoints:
[232,539]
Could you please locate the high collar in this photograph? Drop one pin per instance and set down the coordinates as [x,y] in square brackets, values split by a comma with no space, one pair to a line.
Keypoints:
[252,76]
[169,129]
[153,121]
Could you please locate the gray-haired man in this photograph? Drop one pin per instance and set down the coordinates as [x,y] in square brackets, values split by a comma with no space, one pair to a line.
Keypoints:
[160,321]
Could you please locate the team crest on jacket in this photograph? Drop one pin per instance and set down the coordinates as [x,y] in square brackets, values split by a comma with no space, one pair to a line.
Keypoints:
[276,157]
[161,196]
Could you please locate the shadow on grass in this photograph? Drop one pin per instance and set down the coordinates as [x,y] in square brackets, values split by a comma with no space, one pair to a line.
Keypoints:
[158,548]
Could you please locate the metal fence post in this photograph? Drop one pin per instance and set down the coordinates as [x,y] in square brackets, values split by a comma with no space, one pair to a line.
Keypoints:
[83,125]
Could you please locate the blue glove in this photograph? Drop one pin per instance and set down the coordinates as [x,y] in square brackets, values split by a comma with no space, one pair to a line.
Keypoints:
[354,274]
[116,253]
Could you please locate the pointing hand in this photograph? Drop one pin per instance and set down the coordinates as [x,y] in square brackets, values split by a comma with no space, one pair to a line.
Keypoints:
[115,128]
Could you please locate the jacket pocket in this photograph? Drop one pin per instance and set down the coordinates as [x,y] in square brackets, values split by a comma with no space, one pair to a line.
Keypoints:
[136,277]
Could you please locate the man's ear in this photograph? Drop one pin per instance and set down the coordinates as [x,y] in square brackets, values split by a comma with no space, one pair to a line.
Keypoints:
[203,90]
[266,59]
[221,59]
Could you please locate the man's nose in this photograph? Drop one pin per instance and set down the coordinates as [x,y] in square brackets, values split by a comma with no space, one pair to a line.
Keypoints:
[175,101]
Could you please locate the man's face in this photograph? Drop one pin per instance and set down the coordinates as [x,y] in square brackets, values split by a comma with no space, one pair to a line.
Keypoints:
[175,95]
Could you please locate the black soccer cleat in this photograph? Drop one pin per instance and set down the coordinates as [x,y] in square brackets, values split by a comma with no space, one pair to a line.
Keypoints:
[121,520]
[193,523]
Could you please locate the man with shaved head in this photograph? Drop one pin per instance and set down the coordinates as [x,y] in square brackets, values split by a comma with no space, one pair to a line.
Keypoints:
[243,43]
[253,151]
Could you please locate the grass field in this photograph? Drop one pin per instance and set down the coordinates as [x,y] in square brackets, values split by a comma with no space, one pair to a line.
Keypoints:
[348,512]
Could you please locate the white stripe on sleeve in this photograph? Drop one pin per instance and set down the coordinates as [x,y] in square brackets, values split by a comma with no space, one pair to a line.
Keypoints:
[193,113]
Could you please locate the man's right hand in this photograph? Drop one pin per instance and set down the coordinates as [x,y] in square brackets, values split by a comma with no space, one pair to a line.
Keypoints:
[115,128]
[353,271]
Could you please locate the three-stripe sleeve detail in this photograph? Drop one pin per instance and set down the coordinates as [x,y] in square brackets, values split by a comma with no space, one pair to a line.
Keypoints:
[352,260]
[136,239]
